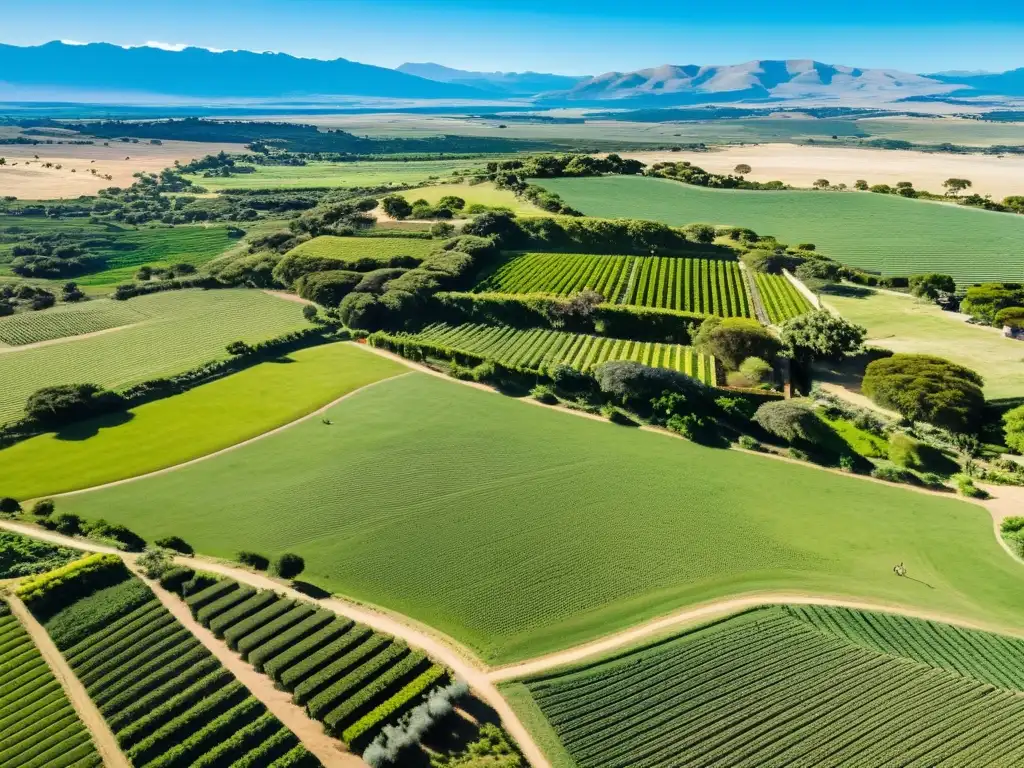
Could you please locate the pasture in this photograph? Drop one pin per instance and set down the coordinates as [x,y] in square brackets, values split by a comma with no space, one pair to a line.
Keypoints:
[355,248]
[38,725]
[166,698]
[520,530]
[904,324]
[195,423]
[886,233]
[793,686]
[542,348]
[700,286]
[182,329]
[361,173]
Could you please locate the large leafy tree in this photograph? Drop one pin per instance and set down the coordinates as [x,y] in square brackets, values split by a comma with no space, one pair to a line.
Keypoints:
[928,286]
[1013,421]
[820,335]
[733,339]
[927,388]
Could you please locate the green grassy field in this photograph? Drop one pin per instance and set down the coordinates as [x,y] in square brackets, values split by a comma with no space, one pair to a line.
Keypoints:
[931,131]
[540,348]
[38,725]
[183,329]
[886,233]
[356,174]
[904,324]
[353,248]
[703,286]
[520,530]
[790,686]
[195,423]
[483,194]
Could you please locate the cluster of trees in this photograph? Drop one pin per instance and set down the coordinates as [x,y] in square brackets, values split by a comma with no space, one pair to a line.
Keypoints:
[995,303]
[23,295]
[689,173]
[53,256]
[448,207]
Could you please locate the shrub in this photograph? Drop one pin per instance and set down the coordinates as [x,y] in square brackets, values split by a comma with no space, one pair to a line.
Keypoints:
[128,539]
[629,382]
[54,407]
[930,285]
[1013,426]
[749,443]
[738,408]
[617,416]
[791,420]
[43,508]
[984,301]
[967,488]
[542,393]
[72,581]
[209,594]
[327,288]
[396,206]
[174,578]
[67,524]
[176,543]
[733,339]
[820,335]
[691,426]
[154,563]
[253,560]
[282,653]
[905,451]
[1010,316]
[1012,524]
[892,474]
[798,455]
[927,388]
[756,371]
[9,505]
[289,565]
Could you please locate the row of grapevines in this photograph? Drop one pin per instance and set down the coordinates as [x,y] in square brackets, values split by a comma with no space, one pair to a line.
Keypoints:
[348,677]
[38,725]
[167,700]
[783,687]
[66,320]
[561,274]
[780,297]
[540,348]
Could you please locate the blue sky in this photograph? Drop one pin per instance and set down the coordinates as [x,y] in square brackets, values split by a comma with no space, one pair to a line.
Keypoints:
[567,36]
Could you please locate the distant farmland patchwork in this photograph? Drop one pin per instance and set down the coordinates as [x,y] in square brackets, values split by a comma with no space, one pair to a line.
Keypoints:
[880,232]
[794,687]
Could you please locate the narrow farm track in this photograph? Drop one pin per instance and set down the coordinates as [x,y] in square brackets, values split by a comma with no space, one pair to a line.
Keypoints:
[278,702]
[235,447]
[88,713]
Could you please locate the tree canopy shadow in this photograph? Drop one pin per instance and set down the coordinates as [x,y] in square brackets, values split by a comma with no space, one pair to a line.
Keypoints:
[83,430]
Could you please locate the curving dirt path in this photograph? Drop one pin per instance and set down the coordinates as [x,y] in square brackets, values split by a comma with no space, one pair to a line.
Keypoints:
[88,713]
[328,751]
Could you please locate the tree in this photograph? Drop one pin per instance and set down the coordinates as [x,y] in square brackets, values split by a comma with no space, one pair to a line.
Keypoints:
[442,229]
[955,186]
[396,206]
[791,420]
[176,543]
[821,184]
[1013,424]
[43,508]
[983,302]
[310,314]
[238,348]
[3,161]
[700,233]
[930,285]
[733,339]
[9,506]
[629,382]
[927,388]
[860,184]
[1010,316]
[820,335]
[742,169]
[756,371]
[289,565]
[56,406]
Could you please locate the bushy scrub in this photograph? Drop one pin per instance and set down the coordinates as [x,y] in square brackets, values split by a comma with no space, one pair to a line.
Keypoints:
[906,451]
[542,393]
[734,339]
[792,420]
[820,335]
[927,388]
[629,382]
[1013,425]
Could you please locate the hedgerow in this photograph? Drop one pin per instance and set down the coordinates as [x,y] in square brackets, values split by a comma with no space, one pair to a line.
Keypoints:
[271,611]
[186,752]
[308,633]
[144,677]
[244,610]
[229,750]
[379,714]
[136,704]
[211,593]
[70,581]
[168,637]
[277,746]
[223,604]
[259,638]
[319,669]
[396,669]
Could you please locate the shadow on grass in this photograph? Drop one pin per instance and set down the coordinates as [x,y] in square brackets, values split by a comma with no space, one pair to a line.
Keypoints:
[310,590]
[83,430]
[846,291]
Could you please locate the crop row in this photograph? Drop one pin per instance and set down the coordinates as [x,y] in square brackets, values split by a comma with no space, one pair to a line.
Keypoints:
[353,680]
[774,688]
[981,655]
[702,286]
[66,320]
[38,726]
[780,297]
[168,701]
[541,348]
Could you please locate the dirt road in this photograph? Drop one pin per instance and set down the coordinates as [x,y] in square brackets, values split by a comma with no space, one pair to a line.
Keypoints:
[102,737]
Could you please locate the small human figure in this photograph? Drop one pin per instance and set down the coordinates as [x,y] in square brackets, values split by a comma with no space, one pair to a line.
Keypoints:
[326,421]
[899,569]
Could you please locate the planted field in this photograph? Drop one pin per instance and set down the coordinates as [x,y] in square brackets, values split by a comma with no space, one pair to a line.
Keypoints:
[168,701]
[66,320]
[782,301]
[38,725]
[795,687]
[887,233]
[184,329]
[353,680]
[353,248]
[23,556]
[542,348]
[702,286]
[195,423]
[369,505]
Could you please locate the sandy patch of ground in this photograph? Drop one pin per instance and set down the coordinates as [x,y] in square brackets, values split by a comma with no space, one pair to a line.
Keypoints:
[25,177]
[801,166]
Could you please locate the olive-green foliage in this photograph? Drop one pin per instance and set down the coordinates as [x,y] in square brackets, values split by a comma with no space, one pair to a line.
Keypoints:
[820,335]
[984,301]
[791,420]
[929,285]
[632,383]
[906,451]
[327,288]
[733,339]
[67,583]
[756,370]
[1013,424]
[927,388]
[1011,316]
[23,556]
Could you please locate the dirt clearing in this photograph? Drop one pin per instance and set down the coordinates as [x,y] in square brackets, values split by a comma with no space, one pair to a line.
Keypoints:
[801,166]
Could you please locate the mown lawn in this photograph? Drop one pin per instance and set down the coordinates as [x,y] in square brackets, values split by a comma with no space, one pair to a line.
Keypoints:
[520,530]
[886,233]
[198,422]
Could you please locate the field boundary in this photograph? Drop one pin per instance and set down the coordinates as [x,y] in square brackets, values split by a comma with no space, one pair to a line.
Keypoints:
[799,285]
[236,446]
[102,737]
[755,296]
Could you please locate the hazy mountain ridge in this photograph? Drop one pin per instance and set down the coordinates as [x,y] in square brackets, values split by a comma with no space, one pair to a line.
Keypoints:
[506,83]
[1010,83]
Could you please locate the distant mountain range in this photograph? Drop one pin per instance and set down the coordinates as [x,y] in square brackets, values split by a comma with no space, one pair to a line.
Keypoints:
[99,72]
[504,83]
